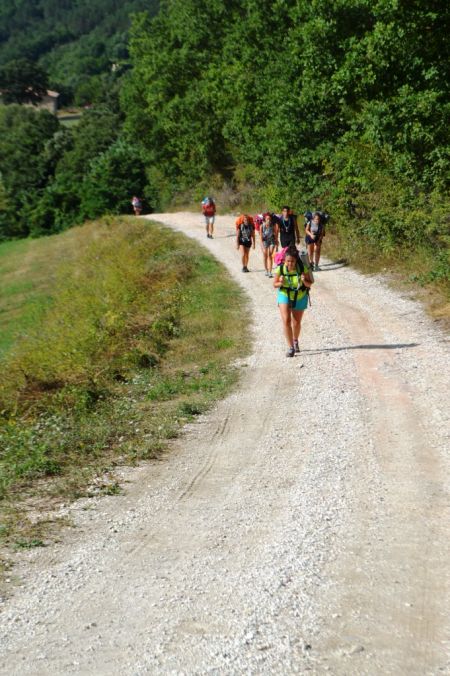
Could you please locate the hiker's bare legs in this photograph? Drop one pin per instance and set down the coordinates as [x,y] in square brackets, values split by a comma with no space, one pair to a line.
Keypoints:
[265,253]
[270,253]
[245,252]
[296,322]
[285,312]
[317,249]
[311,252]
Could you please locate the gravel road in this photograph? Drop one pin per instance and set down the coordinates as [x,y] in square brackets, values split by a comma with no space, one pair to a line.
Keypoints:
[303,525]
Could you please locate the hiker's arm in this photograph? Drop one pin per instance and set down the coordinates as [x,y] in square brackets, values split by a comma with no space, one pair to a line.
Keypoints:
[297,233]
[307,280]
[253,237]
[278,281]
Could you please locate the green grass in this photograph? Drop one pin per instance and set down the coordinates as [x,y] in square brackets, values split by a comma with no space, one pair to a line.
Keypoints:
[136,340]
[27,279]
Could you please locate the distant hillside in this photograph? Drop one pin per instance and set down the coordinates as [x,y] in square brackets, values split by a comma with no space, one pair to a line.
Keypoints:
[74,42]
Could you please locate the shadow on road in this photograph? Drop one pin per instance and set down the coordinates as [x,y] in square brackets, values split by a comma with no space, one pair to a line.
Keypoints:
[397,346]
[326,267]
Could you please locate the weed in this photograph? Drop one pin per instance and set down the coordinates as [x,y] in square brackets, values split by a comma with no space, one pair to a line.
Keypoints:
[28,544]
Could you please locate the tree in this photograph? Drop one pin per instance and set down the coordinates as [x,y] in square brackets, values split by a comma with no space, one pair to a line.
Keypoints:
[22,81]
[113,178]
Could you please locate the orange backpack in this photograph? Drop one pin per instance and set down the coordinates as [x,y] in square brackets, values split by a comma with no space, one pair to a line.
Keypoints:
[240,220]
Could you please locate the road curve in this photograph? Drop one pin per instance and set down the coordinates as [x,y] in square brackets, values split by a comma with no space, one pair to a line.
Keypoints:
[303,525]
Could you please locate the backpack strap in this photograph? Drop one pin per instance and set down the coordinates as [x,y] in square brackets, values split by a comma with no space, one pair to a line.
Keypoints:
[300,268]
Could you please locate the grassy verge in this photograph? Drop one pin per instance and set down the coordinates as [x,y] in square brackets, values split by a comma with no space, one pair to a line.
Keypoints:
[137,340]
[27,277]
[416,272]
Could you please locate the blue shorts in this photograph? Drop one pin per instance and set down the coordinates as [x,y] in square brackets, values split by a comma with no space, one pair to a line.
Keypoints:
[301,304]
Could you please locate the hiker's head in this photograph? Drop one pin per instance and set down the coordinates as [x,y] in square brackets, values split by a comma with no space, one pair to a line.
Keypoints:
[267,219]
[316,217]
[291,258]
[245,219]
[285,211]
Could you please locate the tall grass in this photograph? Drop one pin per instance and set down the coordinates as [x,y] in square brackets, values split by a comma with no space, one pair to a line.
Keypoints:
[138,338]
[27,279]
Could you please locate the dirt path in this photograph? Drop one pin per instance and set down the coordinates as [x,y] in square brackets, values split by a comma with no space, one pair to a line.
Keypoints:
[302,525]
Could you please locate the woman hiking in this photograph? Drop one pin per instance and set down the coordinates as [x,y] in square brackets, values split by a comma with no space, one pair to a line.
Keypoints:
[314,234]
[293,281]
[245,238]
[268,233]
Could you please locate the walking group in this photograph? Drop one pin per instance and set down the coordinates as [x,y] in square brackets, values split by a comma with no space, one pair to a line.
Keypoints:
[292,271]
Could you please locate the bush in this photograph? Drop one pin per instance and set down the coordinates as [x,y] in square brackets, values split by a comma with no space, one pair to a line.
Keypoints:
[113,178]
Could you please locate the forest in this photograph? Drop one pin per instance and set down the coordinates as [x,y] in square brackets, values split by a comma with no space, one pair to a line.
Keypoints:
[76,43]
[342,104]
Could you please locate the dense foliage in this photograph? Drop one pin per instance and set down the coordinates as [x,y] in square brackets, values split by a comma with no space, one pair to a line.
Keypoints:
[52,177]
[337,103]
[75,42]
[343,103]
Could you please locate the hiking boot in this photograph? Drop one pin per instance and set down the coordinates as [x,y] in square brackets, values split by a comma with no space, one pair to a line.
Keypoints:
[245,269]
[290,352]
[296,346]
[316,267]
[266,273]
[270,275]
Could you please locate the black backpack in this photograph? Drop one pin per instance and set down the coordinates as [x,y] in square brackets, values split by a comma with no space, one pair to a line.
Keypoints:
[323,215]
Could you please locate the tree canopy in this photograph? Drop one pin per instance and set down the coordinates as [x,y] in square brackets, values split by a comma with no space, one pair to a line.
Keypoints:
[72,41]
[22,81]
[336,102]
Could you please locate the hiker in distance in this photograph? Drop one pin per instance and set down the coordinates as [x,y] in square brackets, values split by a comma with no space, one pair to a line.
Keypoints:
[293,281]
[288,228]
[268,233]
[136,203]
[314,234]
[245,238]
[209,212]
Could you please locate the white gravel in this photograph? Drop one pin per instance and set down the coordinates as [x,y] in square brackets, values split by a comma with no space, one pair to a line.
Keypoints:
[301,526]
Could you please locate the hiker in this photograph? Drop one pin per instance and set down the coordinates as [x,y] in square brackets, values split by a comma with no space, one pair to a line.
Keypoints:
[293,281]
[245,238]
[209,212]
[268,233]
[314,234]
[288,228]
[136,203]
